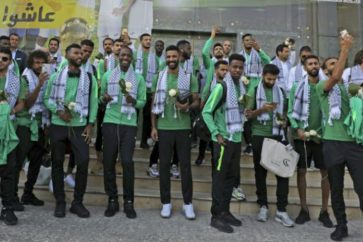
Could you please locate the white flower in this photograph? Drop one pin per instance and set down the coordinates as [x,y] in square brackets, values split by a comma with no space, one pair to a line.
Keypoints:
[172,92]
[360,92]
[313,133]
[245,80]
[240,99]
[71,105]
[307,135]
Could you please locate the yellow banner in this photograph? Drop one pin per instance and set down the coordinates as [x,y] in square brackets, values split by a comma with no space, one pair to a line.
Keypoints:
[48,14]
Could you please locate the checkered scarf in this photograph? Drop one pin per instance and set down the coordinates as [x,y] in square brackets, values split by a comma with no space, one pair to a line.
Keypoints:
[234,113]
[59,90]
[110,62]
[55,66]
[38,106]
[88,67]
[298,73]
[281,80]
[188,65]
[113,89]
[302,102]
[161,89]
[12,88]
[356,75]
[253,68]
[151,66]
[277,97]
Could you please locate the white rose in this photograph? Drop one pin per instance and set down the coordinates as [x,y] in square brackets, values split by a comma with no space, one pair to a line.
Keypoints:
[128,85]
[172,92]
[313,133]
[240,99]
[307,135]
[71,105]
[245,80]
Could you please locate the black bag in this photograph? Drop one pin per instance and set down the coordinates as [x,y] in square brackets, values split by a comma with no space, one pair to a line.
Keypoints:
[200,126]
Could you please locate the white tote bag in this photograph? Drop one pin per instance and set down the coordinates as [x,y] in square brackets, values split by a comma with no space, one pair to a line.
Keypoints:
[278,158]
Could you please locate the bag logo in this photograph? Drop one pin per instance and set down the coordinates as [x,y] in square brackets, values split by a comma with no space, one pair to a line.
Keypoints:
[286,162]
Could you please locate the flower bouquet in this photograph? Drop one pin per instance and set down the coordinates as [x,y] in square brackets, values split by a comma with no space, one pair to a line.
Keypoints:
[125,87]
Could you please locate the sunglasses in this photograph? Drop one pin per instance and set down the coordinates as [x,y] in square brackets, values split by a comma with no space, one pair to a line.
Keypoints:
[4,58]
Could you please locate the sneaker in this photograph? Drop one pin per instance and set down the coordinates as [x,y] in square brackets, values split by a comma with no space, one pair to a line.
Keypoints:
[50,186]
[340,232]
[153,170]
[238,194]
[325,219]
[199,161]
[284,219]
[231,220]
[60,210]
[166,210]
[31,199]
[17,206]
[129,209]
[174,171]
[221,225]
[262,216]
[69,180]
[303,217]
[248,150]
[79,209]
[8,216]
[188,211]
[112,208]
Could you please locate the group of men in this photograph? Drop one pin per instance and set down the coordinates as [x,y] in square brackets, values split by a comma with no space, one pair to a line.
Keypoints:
[243,99]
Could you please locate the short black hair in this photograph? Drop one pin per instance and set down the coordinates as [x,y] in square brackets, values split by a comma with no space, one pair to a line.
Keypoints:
[88,42]
[236,56]
[182,43]
[118,40]
[323,66]
[39,54]
[14,34]
[220,62]
[107,38]
[54,39]
[217,44]
[72,46]
[271,68]
[311,57]
[246,35]
[4,37]
[171,48]
[126,47]
[6,51]
[280,48]
[143,35]
[358,58]
[159,41]
[306,49]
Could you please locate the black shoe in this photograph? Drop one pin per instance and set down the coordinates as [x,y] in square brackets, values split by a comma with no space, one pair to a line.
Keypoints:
[340,232]
[303,217]
[8,216]
[31,199]
[112,208]
[199,161]
[144,146]
[129,209]
[17,206]
[325,219]
[231,220]
[248,150]
[60,210]
[79,209]
[221,225]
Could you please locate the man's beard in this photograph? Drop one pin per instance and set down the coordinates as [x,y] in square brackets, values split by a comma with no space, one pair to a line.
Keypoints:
[268,85]
[313,73]
[172,62]
[74,63]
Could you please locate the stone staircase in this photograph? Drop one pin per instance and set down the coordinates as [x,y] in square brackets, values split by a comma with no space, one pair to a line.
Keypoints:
[147,188]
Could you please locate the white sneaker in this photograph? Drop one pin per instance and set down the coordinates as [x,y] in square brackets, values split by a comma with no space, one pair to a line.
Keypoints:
[166,210]
[284,219]
[238,194]
[188,211]
[262,216]
[51,185]
[153,170]
[174,171]
[69,180]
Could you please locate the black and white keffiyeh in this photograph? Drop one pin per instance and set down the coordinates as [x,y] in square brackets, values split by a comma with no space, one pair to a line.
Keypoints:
[38,106]
[88,67]
[188,65]
[12,88]
[253,67]
[113,89]
[282,79]
[278,98]
[234,114]
[161,89]
[58,91]
[302,102]
[298,73]
[111,62]
[151,66]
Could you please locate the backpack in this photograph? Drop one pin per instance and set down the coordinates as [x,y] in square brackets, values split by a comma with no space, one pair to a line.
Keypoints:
[199,124]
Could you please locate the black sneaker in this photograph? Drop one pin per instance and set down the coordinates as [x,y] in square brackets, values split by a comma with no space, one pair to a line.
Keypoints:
[248,150]
[340,232]
[8,216]
[303,217]
[325,219]
[221,225]
[60,210]
[199,161]
[79,209]
[231,220]
[31,199]
[129,209]
[112,208]
[17,206]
